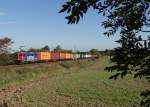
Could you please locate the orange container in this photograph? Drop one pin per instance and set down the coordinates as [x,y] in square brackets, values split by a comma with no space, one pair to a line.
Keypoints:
[62,55]
[71,56]
[68,56]
[44,56]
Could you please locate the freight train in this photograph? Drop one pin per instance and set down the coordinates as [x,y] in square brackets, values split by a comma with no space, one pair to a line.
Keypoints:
[26,57]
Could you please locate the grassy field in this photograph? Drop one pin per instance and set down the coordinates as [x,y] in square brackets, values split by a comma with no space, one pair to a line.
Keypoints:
[72,84]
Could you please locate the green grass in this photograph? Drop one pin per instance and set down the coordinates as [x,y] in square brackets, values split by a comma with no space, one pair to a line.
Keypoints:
[93,84]
[18,75]
[75,84]
[96,86]
[87,81]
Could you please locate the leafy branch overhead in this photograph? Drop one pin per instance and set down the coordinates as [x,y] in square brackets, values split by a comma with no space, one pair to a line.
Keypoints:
[128,14]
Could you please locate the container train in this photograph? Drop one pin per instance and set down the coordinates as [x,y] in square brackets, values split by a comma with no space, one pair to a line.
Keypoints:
[25,57]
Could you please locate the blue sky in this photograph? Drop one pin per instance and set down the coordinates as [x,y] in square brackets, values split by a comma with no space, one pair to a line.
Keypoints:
[36,23]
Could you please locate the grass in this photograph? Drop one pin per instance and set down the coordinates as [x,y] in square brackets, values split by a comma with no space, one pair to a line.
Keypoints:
[18,75]
[96,86]
[93,84]
[75,83]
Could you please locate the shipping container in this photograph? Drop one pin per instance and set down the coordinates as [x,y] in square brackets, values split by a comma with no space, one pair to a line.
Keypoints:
[31,56]
[62,55]
[82,55]
[44,56]
[71,55]
[68,56]
[88,56]
[76,56]
[55,56]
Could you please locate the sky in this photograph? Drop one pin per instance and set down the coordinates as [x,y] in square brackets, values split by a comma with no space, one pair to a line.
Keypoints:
[36,23]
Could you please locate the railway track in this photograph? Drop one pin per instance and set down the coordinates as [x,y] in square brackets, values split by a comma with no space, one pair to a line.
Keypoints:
[37,63]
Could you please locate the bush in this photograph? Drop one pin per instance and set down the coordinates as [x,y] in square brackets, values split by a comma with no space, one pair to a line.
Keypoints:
[6,59]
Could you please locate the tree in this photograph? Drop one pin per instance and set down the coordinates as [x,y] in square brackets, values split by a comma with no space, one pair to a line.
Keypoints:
[45,48]
[95,52]
[129,17]
[12,57]
[4,44]
[58,48]
[33,50]
[4,50]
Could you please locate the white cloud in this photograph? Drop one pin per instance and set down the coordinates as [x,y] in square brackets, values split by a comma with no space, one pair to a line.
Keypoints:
[7,22]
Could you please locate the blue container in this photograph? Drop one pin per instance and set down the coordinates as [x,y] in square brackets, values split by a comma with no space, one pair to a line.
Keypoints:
[31,56]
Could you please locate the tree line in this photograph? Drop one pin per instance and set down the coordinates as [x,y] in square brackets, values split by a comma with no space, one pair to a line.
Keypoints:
[8,57]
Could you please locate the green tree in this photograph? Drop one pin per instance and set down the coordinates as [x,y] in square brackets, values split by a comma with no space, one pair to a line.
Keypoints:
[95,52]
[33,50]
[45,48]
[12,57]
[58,48]
[130,18]
[5,50]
